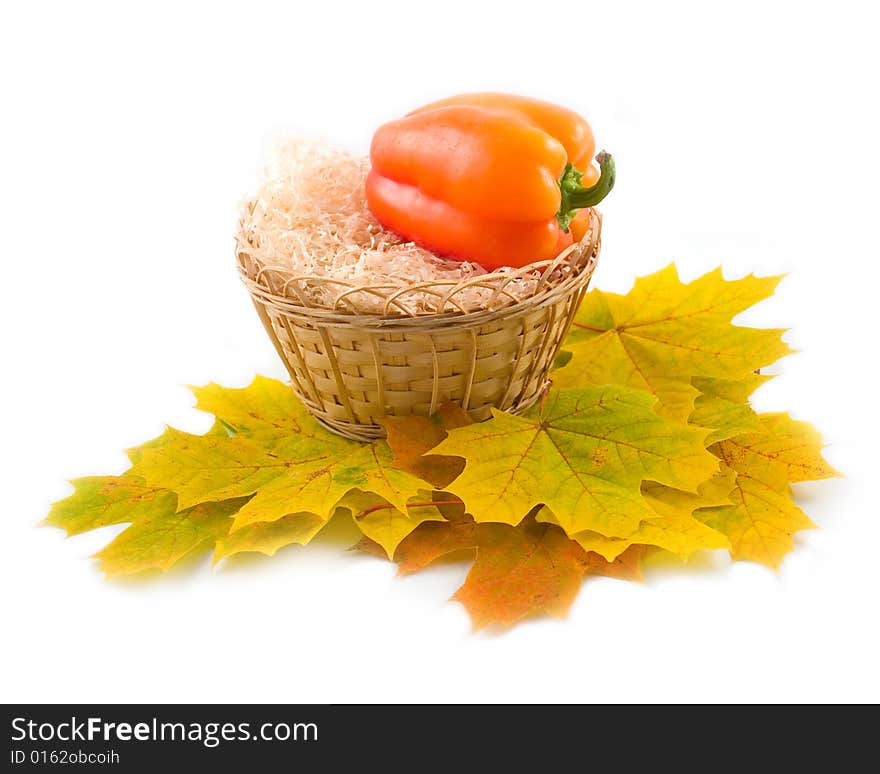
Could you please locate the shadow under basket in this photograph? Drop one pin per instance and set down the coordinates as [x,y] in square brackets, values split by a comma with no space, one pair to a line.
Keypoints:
[425,346]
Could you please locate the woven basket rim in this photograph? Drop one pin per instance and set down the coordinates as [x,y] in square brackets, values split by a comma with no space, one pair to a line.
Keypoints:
[556,277]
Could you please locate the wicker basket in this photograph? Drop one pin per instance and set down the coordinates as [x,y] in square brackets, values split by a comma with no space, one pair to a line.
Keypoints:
[352,368]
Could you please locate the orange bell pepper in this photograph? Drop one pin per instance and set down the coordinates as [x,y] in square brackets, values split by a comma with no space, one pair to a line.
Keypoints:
[490,178]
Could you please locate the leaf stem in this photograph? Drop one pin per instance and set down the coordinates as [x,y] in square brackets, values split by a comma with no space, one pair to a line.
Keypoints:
[385,506]
[589,327]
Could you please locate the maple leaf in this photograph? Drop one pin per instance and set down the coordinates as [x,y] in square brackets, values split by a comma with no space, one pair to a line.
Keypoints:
[411,438]
[737,390]
[161,540]
[168,438]
[725,418]
[281,455]
[98,501]
[518,571]
[268,537]
[256,427]
[521,571]
[664,332]
[723,406]
[762,517]
[759,523]
[160,535]
[265,406]
[384,524]
[783,451]
[583,454]
[672,526]
[433,540]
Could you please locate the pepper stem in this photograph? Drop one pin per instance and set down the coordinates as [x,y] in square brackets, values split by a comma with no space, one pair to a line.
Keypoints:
[576,197]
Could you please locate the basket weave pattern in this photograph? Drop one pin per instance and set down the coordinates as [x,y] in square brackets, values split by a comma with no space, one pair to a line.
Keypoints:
[352,368]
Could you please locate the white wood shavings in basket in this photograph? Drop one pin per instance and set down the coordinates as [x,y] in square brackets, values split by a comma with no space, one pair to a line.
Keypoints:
[309,221]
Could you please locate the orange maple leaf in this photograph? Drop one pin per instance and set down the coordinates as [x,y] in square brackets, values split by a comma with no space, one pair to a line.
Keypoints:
[518,571]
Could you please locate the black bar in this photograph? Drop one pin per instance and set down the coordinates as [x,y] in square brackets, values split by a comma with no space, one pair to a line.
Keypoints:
[168,738]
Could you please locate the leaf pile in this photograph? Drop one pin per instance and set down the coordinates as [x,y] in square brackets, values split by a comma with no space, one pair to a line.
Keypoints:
[646,442]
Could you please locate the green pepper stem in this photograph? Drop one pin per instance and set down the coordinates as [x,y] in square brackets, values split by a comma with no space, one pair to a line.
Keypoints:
[576,197]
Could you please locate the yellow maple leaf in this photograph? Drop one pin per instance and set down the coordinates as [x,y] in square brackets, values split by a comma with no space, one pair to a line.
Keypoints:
[264,406]
[611,359]
[98,501]
[384,524]
[248,484]
[762,517]
[159,541]
[277,452]
[315,478]
[672,527]
[723,405]
[725,418]
[759,522]
[664,332]
[737,390]
[584,454]
[782,451]
[268,537]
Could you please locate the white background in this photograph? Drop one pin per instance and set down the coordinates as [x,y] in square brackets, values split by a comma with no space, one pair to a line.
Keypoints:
[746,136]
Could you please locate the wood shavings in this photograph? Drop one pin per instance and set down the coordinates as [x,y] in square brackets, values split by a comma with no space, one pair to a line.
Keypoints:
[309,218]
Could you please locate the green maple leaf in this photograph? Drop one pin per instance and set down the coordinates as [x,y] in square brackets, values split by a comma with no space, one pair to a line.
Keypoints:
[98,501]
[160,535]
[584,455]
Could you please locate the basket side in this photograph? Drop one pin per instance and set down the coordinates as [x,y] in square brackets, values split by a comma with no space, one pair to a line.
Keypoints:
[350,379]
[351,371]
